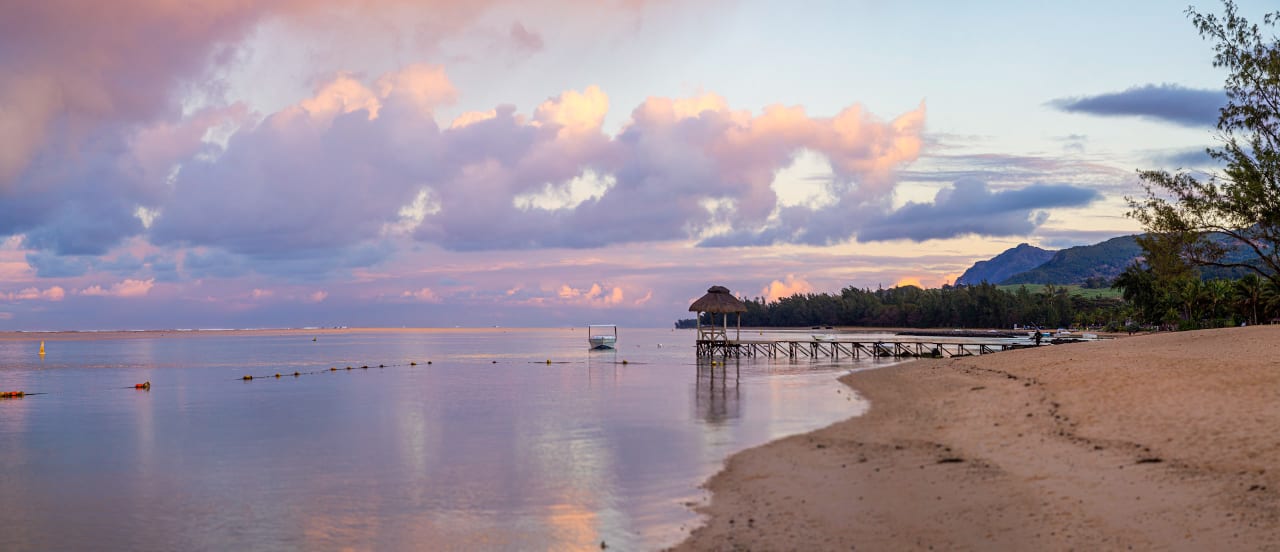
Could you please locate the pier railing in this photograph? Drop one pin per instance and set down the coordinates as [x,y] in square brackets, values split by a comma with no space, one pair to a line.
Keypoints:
[853,349]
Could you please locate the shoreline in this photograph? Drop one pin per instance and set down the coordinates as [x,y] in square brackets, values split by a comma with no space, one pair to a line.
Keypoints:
[1162,441]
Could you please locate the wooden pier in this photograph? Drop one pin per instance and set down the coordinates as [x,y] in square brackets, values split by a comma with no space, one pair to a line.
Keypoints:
[836,349]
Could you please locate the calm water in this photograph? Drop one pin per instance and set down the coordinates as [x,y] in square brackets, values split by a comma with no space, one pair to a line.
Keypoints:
[488,447]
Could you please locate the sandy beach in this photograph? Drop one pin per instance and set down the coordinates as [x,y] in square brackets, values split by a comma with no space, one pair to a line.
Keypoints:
[1160,442]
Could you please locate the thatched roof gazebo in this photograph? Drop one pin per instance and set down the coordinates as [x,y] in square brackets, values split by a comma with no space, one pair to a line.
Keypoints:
[718,300]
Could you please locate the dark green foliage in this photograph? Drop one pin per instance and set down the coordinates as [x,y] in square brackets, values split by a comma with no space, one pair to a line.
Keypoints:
[1173,297]
[978,306]
[1096,282]
[1204,219]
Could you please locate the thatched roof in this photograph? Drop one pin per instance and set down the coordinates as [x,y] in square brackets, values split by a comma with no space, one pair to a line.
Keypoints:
[718,300]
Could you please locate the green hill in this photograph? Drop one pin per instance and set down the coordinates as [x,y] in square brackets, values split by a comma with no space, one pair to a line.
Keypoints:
[1012,261]
[1076,264]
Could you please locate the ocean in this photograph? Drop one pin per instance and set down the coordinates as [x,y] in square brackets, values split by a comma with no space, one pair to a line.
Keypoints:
[434,439]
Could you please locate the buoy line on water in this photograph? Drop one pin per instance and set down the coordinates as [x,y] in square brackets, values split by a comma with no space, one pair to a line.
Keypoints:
[146,385]
[331,369]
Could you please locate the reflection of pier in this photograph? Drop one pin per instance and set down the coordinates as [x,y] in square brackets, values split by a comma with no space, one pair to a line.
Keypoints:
[716,395]
[836,349]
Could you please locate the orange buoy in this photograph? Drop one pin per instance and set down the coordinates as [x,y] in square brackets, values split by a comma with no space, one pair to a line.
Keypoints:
[335,369]
[146,385]
[247,378]
[413,364]
[11,394]
[277,375]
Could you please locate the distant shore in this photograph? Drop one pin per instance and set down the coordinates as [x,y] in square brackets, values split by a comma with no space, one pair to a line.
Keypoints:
[1166,441]
[67,335]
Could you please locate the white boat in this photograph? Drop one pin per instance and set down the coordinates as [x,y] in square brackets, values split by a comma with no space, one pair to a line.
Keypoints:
[602,336]
[824,337]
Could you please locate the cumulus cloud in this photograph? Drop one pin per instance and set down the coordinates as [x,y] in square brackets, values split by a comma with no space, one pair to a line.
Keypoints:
[127,288]
[96,100]
[786,287]
[54,293]
[425,295]
[1163,102]
[343,178]
[323,175]
[969,207]
[596,295]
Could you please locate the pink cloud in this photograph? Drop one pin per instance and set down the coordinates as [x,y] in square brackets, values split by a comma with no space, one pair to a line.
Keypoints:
[54,293]
[318,296]
[126,288]
[425,295]
[647,296]
[596,295]
[786,287]
[100,92]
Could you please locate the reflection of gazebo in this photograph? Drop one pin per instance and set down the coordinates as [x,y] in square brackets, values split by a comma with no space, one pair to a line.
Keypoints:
[718,300]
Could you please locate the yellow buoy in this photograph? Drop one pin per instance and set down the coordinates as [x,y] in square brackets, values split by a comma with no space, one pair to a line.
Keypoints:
[41,348]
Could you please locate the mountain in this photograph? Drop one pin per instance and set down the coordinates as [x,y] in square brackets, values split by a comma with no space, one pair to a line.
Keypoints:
[1076,264]
[1013,261]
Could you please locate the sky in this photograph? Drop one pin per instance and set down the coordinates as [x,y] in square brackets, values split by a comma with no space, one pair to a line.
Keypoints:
[441,163]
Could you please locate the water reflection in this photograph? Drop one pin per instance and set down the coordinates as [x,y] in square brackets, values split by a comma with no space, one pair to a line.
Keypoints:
[461,454]
[717,393]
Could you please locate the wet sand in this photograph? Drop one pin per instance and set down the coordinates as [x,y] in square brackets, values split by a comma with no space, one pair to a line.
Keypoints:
[1166,442]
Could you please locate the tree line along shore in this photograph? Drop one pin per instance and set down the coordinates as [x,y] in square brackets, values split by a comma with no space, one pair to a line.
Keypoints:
[1140,299]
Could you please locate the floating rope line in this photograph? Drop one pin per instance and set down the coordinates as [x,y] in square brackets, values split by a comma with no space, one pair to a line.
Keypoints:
[280,375]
